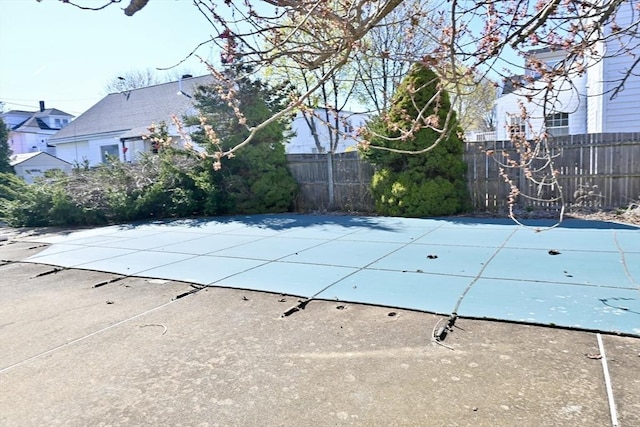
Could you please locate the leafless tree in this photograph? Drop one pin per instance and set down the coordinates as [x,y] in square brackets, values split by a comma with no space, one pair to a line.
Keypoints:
[135,79]
[474,103]
[389,49]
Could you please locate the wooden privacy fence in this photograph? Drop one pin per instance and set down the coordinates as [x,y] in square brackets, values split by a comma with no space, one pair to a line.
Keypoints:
[595,171]
[351,177]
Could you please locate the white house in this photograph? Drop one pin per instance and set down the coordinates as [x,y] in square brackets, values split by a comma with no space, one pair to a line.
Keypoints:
[116,124]
[33,165]
[323,123]
[579,104]
[30,131]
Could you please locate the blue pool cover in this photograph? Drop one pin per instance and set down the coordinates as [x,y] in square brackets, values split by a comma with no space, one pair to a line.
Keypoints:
[582,274]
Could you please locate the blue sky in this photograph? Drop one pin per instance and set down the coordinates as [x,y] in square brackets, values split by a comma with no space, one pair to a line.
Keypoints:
[64,56]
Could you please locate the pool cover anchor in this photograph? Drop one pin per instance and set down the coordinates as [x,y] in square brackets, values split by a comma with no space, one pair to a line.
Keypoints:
[46,273]
[296,308]
[438,335]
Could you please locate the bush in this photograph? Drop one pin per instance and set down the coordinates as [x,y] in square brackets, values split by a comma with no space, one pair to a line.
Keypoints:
[41,205]
[257,180]
[171,184]
[417,185]
[401,195]
[11,186]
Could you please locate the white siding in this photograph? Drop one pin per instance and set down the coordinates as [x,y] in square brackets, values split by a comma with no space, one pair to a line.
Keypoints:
[622,112]
[17,143]
[505,105]
[27,142]
[136,148]
[303,141]
[74,152]
[38,165]
[591,106]
[595,89]
[568,98]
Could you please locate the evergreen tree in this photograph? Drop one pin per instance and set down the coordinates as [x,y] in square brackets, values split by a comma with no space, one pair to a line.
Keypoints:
[417,185]
[257,179]
[5,151]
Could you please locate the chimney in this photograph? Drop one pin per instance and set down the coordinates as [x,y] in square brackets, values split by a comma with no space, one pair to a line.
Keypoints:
[180,91]
[41,106]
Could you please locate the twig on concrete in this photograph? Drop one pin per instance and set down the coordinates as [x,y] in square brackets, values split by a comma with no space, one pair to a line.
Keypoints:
[156,324]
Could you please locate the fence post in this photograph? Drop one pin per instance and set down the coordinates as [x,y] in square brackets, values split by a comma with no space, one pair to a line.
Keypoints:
[330,179]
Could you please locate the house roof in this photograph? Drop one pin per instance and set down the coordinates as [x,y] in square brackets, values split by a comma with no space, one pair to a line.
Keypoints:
[32,122]
[511,84]
[17,112]
[16,159]
[33,119]
[135,109]
[53,112]
[45,112]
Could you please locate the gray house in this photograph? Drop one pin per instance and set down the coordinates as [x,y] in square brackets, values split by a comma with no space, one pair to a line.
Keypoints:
[116,124]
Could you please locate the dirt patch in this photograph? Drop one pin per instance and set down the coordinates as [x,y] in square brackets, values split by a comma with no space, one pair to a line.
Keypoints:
[629,215]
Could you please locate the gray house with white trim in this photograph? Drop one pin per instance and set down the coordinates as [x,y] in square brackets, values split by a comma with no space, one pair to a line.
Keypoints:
[116,124]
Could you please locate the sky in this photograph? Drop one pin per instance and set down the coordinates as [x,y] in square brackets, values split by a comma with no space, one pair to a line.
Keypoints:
[65,56]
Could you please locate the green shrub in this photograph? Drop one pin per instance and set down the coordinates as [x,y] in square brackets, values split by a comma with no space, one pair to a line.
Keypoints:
[400,195]
[257,179]
[11,186]
[417,185]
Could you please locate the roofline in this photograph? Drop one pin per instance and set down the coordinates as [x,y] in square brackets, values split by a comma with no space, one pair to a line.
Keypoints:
[159,84]
[17,112]
[75,138]
[545,50]
[18,130]
[37,153]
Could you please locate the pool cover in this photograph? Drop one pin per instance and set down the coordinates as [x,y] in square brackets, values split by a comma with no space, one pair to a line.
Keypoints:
[582,274]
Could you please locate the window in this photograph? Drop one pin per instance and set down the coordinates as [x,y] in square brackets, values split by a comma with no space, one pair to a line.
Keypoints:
[60,123]
[557,124]
[109,151]
[348,127]
[515,126]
